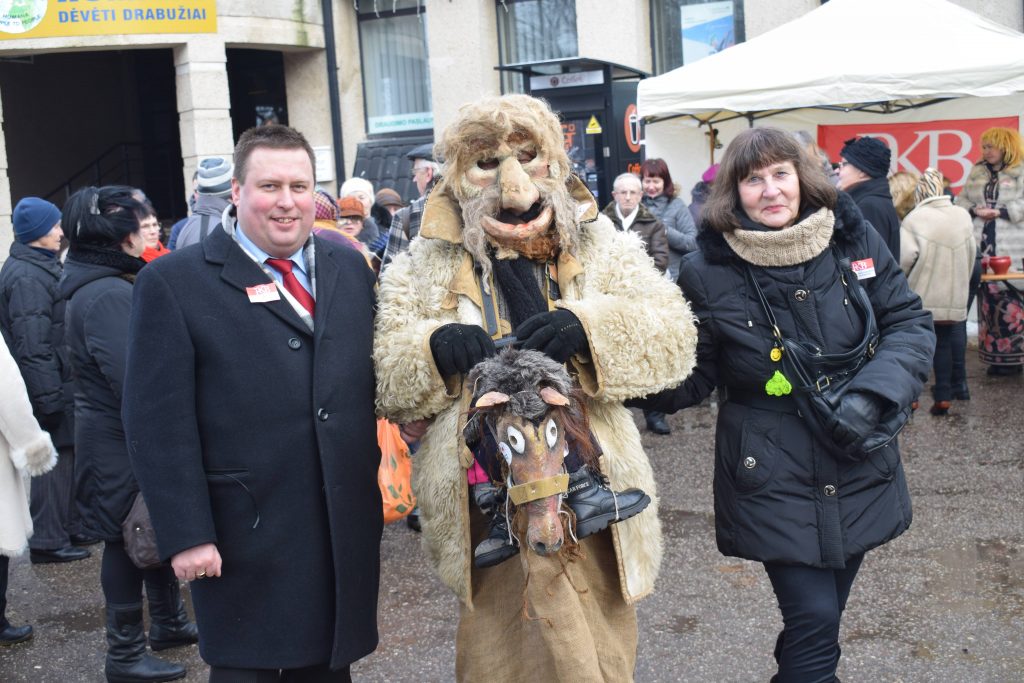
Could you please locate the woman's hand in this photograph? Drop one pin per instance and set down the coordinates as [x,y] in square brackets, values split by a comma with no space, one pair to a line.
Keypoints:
[986,213]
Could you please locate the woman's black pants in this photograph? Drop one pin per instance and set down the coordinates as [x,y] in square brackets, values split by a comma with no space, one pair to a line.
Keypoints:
[950,359]
[5,563]
[812,601]
[122,580]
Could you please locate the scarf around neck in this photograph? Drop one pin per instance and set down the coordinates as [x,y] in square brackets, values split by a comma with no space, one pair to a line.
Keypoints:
[128,265]
[790,246]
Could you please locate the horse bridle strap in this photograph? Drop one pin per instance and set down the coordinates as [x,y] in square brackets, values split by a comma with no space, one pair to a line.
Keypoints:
[541,488]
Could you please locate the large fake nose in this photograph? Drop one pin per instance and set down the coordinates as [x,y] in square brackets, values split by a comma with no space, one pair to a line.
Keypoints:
[518,193]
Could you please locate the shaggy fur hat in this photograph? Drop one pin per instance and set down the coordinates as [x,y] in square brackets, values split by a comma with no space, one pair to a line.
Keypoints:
[870,155]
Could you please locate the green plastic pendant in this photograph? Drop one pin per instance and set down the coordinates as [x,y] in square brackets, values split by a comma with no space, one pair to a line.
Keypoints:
[778,385]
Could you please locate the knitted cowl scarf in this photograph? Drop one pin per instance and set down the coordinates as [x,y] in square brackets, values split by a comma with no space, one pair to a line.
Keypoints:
[799,243]
[111,258]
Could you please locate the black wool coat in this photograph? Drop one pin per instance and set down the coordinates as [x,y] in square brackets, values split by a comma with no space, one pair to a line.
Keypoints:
[249,431]
[99,307]
[32,323]
[781,496]
[875,203]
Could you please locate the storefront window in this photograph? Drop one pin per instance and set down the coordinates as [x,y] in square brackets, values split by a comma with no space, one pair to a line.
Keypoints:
[684,31]
[396,78]
[534,31]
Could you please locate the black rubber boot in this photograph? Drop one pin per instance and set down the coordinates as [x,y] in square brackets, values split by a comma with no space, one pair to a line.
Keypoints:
[499,545]
[169,625]
[127,659]
[656,422]
[596,506]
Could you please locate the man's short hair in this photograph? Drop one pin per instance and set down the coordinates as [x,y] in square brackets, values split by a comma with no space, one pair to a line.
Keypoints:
[631,177]
[273,136]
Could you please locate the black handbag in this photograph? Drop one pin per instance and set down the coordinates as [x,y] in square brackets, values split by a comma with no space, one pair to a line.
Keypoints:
[139,536]
[820,380]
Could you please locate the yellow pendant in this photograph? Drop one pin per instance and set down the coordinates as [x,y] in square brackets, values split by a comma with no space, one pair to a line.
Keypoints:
[776,354]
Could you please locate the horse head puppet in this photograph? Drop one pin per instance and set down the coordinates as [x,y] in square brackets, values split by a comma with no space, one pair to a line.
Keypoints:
[527,403]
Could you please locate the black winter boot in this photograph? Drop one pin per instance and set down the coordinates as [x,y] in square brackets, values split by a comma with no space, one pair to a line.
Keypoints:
[127,659]
[499,544]
[596,506]
[169,625]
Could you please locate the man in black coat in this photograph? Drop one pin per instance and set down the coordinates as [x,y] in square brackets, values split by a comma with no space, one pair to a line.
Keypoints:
[248,411]
[32,322]
[863,173]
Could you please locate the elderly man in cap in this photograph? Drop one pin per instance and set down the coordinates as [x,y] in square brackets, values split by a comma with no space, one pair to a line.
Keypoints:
[863,170]
[213,195]
[32,322]
[426,172]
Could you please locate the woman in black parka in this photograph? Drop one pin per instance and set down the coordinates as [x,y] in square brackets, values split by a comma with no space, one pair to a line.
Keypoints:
[782,497]
[106,242]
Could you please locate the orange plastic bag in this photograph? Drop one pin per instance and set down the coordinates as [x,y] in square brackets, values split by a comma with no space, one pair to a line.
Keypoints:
[395,473]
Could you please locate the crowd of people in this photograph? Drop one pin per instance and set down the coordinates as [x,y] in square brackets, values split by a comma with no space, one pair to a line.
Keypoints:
[230,384]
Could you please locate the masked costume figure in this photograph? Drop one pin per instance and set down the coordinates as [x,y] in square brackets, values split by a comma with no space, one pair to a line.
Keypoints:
[512,244]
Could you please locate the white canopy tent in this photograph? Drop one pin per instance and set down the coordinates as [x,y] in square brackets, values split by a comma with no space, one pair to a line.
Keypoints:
[847,61]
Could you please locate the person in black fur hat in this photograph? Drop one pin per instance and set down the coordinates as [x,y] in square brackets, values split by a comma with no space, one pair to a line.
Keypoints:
[863,169]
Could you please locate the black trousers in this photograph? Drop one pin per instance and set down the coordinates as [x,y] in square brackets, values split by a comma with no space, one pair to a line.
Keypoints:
[950,362]
[812,602]
[52,503]
[310,674]
[5,563]
[122,580]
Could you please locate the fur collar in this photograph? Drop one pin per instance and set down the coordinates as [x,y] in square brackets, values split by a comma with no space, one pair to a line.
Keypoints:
[849,228]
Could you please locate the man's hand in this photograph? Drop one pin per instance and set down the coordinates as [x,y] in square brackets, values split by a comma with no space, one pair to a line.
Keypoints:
[200,562]
[986,214]
[413,431]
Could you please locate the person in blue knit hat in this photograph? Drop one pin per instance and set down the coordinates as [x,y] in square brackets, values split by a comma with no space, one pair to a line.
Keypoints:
[32,322]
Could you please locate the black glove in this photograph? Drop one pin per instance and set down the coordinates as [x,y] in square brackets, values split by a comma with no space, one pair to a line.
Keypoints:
[50,422]
[857,416]
[558,333]
[457,348]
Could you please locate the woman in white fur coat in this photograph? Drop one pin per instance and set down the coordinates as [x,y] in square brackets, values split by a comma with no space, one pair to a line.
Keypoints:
[25,451]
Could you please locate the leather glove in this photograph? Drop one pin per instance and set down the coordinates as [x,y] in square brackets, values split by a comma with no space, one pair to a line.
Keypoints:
[558,334]
[856,417]
[457,348]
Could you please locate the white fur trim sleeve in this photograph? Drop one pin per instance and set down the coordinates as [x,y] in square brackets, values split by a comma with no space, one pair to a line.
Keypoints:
[411,294]
[641,332]
[29,446]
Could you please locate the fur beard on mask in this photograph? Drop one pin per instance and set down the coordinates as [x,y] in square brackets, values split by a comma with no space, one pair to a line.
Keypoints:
[481,202]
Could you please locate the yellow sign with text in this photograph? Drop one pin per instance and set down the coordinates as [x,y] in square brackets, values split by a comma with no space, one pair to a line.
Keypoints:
[593,127]
[21,19]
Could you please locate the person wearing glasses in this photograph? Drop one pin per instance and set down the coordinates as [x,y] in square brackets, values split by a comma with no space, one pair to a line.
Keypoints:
[426,173]
[863,168]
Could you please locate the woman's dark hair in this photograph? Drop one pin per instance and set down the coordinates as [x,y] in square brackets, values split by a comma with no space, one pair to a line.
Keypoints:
[659,169]
[756,148]
[101,216]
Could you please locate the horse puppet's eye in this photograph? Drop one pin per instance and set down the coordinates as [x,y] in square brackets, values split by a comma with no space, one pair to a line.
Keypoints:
[506,452]
[515,438]
[551,433]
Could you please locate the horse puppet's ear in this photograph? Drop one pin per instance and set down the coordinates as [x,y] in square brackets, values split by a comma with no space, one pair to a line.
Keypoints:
[552,397]
[491,398]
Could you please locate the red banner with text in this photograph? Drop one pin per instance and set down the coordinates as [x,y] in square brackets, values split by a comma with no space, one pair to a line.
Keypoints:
[950,146]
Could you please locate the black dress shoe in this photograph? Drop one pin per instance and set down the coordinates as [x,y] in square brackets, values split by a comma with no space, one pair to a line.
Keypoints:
[68,554]
[83,539]
[15,634]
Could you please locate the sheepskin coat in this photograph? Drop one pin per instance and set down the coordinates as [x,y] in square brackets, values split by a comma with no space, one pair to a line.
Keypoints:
[642,339]
[937,255]
[25,450]
[1009,229]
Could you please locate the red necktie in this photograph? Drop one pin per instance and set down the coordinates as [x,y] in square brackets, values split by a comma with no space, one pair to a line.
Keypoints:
[291,283]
